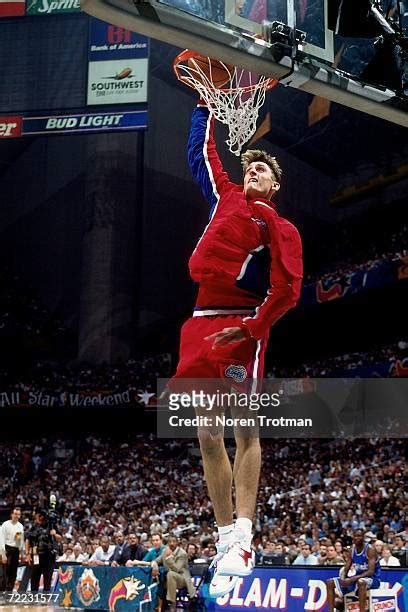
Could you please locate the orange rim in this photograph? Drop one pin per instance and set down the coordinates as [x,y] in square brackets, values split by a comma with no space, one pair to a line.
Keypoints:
[185,55]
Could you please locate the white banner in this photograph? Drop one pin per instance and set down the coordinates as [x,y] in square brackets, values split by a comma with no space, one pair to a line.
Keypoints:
[117,81]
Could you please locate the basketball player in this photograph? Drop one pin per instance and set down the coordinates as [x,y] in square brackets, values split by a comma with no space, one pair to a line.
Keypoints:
[365,561]
[248,264]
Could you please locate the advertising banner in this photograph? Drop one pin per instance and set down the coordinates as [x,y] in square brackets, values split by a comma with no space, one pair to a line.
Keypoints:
[50,7]
[91,122]
[118,65]
[117,81]
[12,8]
[301,589]
[376,274]
[10,127]
[106,588]
[109,42]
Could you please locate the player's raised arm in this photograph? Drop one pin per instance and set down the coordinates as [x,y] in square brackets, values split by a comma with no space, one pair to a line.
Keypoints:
[203,157]
[285,278]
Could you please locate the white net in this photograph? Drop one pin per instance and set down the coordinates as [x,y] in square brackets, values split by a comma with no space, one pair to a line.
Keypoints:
[235,104]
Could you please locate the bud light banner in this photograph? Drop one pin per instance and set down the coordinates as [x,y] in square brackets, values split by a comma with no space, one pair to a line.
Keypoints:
[298,590]
[92,122]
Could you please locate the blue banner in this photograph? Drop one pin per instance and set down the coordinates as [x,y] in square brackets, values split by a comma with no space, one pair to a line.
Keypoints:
[109,42]
[282,588]
[303,589]
[106,588]
[378,275]
[90,122]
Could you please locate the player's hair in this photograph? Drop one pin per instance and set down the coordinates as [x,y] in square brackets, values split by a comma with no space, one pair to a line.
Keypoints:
[254,155]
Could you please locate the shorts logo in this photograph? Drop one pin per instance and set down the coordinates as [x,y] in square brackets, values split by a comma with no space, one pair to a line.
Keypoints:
[237,372]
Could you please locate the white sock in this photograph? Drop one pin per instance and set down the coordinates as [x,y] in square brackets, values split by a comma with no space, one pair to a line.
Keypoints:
[243,532]
[225,534]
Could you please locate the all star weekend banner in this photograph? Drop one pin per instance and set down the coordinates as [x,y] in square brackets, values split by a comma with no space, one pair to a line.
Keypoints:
[118,65]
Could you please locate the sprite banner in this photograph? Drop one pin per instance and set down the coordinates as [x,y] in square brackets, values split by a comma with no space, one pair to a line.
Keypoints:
[50,7]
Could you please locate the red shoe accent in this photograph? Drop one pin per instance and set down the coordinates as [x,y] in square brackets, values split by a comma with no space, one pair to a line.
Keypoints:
[247,556]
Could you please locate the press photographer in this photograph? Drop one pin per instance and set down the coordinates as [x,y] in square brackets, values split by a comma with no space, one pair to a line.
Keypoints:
[43,546]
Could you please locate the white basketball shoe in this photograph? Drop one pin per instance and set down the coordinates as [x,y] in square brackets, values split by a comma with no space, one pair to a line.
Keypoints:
[237,561]
[220,584]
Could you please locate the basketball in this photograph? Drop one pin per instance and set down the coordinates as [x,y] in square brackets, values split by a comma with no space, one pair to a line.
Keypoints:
[216,72]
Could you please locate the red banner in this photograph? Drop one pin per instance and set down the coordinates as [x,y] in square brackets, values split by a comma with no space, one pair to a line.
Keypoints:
[12,8]
[10,127]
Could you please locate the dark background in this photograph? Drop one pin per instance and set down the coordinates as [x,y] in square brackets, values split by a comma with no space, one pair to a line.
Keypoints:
[100,227]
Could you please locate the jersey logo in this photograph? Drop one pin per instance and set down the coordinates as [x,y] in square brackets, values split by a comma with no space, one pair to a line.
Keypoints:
[237,372]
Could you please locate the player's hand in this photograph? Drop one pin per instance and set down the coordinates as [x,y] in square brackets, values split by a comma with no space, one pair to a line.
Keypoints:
[345,582]
[226,336]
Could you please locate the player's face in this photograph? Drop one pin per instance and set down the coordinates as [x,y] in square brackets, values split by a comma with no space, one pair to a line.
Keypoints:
[259,181]
[358,538]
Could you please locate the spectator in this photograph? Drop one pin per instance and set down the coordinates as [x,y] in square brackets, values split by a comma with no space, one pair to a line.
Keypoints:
[387,559]
[175,561]
[79,556]
[400,550]
[120,544]
[192,552]
[332,558]
[305,557]
[268,552]
[379,545]
[103,553]
[68,555]
[133,553]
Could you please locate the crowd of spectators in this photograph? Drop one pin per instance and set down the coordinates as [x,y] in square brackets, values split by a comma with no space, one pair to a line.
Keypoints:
[139,376]
[312,495]
[331,366]
[362,257]
[132,374]
[21,312]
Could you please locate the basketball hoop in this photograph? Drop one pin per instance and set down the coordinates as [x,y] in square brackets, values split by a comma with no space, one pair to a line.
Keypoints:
[236,103]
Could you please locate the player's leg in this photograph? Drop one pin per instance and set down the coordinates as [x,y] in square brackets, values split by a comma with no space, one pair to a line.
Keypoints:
[218,474]
[239,559]
[362,594]
[247,467]
[330,595]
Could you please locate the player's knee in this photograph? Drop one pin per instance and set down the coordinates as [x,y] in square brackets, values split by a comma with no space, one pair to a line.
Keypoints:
[211,442]
[246,442]
[330,583]
[362,585]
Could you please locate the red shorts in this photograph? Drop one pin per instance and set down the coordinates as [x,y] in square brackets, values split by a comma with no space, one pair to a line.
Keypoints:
[238,364]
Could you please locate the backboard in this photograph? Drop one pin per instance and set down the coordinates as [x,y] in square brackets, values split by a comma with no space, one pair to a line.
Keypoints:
[309,16]
[230,30]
